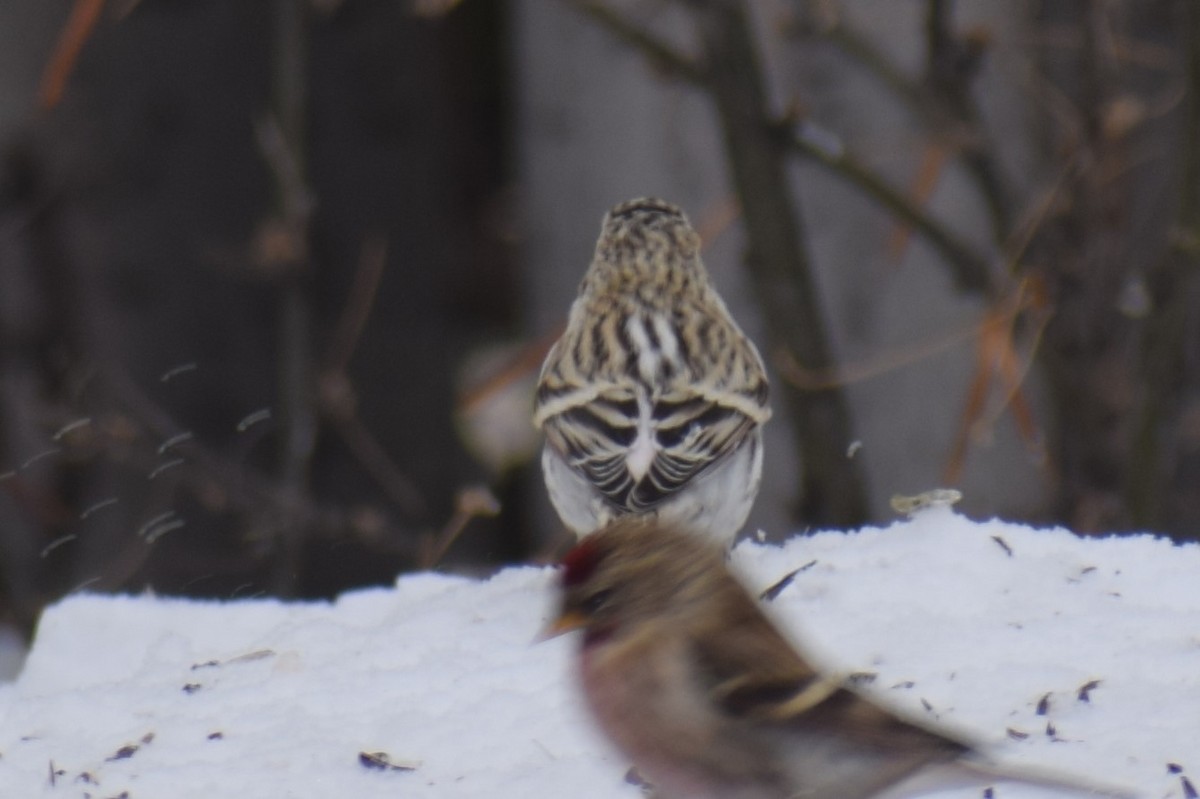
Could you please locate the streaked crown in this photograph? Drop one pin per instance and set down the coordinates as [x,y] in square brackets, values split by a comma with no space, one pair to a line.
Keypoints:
[645,243]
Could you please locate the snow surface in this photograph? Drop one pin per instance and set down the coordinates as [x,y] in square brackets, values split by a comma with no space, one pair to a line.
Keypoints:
[155,698]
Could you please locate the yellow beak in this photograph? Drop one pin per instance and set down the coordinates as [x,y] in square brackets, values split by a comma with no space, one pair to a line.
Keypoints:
[567,621]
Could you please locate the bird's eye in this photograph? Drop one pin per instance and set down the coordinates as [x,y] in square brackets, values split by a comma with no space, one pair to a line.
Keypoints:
[596,601]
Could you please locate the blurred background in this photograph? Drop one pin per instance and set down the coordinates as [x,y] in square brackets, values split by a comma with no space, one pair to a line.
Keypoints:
[276,277]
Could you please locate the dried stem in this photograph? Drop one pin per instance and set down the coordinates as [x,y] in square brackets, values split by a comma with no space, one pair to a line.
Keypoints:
[943,102]
[75,34]
[953,62]
[970,268]
[1175,293]
[660,53]
[298,413]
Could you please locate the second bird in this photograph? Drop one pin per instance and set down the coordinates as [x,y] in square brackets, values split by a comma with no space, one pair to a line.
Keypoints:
[653,399]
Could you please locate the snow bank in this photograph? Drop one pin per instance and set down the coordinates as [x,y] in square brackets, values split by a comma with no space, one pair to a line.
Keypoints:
[1081,654]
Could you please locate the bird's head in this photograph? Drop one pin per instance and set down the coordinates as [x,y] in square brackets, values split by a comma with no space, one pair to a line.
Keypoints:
[630,571]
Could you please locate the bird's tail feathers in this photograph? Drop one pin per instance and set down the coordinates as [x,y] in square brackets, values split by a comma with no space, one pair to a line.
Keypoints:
[1050,778]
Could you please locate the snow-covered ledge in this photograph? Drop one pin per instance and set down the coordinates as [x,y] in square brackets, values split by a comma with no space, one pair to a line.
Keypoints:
[1079,653]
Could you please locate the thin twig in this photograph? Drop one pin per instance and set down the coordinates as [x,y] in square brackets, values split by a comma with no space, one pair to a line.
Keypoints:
[833,487]
[1174,288]
[943,102]
[297,394]
[359,304]
[80,24]
[971,269]
[952,64]
[336,395]
[471,502]
[378,463]
[849,374]
[662,54]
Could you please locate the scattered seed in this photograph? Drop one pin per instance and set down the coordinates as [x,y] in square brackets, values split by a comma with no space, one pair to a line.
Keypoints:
[383,762]
[783,582]
[126,751]
[634,777]
[249,657]
[1003,545]
[1086,689]
[1016,735]
[1043,705]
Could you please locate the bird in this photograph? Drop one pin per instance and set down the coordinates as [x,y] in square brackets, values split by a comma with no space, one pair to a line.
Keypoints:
[653,399]
[688,677]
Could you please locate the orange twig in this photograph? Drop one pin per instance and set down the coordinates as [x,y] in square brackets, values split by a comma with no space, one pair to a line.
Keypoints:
[933,161]
[79,27]
[997,358]
[528,359]
[717,220]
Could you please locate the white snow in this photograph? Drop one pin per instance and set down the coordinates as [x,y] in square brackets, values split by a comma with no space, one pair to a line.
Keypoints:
[266,699]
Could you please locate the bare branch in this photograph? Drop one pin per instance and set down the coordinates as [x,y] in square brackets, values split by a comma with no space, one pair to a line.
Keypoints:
[943,101]
[662,54]
[833,487]
[297,393]
[970,268]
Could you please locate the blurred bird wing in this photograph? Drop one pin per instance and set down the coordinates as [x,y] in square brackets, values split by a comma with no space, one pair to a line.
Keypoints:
[756,674]
[1047,778]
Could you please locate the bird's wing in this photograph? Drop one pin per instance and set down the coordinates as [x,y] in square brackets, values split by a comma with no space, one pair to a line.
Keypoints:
[692,416]
[755,674]
[693,433]
[596,434]
[593,431]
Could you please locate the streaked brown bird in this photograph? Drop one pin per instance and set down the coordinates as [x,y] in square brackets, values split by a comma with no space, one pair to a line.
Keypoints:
[653,399]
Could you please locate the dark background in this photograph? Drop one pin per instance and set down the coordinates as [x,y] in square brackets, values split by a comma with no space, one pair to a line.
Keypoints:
[315,209]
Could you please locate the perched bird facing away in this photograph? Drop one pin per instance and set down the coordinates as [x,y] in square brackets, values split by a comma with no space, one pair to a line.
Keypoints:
[689,679]
[653,400]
